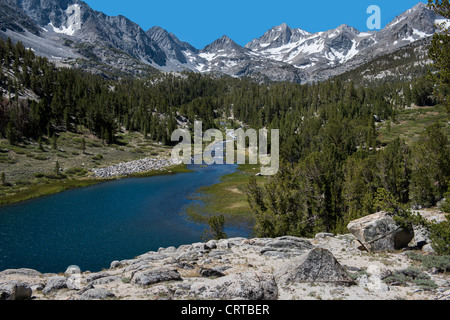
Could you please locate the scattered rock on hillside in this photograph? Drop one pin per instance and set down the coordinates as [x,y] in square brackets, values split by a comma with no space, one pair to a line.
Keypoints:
[294,269]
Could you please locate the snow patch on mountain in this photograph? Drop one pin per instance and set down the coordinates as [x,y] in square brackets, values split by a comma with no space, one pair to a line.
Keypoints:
[73,22]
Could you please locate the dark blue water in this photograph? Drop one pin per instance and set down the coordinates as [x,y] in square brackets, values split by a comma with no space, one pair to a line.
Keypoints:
[93,226]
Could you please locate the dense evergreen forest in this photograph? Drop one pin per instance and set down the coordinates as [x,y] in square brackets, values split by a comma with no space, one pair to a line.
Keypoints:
[334,168]
[39,99]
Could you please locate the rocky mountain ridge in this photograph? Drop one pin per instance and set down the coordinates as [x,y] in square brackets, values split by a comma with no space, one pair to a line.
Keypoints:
[72,33]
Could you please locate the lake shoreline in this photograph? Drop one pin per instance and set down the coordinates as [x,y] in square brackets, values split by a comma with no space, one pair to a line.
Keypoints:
[118,219]
[47,188]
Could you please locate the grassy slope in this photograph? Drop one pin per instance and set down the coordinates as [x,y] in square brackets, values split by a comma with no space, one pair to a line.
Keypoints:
[410,123]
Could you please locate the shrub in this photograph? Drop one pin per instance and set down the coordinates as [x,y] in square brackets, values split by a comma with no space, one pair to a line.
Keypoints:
[445,206]
[439,263]
[97,157]
[95,144]
[216,225]
[40,157]
[23,182]
[411,275]
[440,237]
[50,176]
[76,171]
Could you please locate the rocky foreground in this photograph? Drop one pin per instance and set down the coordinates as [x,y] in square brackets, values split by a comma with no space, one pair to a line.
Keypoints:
[327,267]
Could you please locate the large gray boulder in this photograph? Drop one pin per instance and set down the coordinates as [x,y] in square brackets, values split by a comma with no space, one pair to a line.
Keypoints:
[21,272]
[252,286]
[54,284]
[146,278]
[379,232]
[97,294]
[315,266]
[15,290]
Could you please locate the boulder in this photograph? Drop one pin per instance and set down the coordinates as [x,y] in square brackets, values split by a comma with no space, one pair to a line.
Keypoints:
[97,294]
[206,273]
[55,283]
[251,286]
[282,247]
[290,243]
[21,272]
[73,281]
[15,290]
[105,280]
[317,265]
[115,264]
[71,270]
[156,275]
[379,232]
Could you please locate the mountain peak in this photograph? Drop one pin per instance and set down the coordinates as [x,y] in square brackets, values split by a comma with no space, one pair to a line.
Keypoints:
[225,38]
[280,53]
[157,33]
[420,5]
[223,43]
[281,27]
[277,36]
[414,23]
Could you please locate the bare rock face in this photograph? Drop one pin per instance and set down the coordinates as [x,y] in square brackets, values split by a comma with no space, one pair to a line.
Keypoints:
[318,265]
[379,232]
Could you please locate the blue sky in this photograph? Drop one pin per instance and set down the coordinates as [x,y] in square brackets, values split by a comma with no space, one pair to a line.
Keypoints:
[200,22]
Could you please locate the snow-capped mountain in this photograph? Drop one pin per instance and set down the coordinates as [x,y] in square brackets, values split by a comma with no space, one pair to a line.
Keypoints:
[72,33]
[323,54]
[226,56]
[277,37]
[223,54]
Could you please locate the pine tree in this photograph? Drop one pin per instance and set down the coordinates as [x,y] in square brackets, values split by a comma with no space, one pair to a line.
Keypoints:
[83,145]
[57,168]
[41,147]
[11,133]
[430,166]
[216,229]
[54,142]
[440,52]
